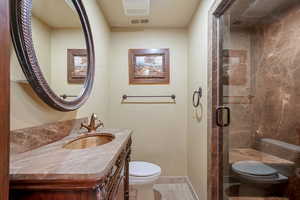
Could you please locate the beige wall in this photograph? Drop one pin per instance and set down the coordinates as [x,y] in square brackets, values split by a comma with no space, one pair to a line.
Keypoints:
[27,110]
[61,41]
[41,35]
[197,77]
[98,101]
[42,41]
[159,129]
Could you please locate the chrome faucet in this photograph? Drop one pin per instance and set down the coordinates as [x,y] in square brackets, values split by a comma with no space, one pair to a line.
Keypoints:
[93,126]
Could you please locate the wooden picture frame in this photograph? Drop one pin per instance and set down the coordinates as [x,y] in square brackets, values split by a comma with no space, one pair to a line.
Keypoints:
[149,66]
[77,66]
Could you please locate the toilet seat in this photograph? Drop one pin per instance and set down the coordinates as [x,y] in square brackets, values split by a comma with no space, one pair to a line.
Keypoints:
[257,172]
[133,180]
[143,169]
[254,168]
[143,173]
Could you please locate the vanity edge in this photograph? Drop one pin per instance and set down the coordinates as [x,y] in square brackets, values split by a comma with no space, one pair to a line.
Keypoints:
[76,181]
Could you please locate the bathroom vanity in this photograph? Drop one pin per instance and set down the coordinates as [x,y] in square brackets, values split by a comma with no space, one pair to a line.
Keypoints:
[82,167]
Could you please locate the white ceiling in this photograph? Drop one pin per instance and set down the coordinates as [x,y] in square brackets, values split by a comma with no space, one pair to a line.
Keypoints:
[163,13]
[55,13]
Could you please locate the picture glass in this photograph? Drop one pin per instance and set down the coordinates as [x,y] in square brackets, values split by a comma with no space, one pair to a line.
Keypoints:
[149,66]
[80,66]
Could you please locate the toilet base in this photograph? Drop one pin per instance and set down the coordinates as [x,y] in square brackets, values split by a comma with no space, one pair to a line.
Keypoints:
[246,189]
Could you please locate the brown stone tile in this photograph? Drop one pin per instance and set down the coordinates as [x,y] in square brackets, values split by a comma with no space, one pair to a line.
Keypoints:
[26,139]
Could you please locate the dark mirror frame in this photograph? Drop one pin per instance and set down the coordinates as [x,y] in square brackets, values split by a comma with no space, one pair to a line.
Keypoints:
[21,32]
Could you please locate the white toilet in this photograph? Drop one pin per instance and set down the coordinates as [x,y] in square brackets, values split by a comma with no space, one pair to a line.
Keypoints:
[142,176]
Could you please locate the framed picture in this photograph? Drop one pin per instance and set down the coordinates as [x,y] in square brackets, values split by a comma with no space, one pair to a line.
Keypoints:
[149,66]
[77,65]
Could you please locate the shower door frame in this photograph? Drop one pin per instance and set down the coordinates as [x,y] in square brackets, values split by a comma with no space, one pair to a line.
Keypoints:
[215,98]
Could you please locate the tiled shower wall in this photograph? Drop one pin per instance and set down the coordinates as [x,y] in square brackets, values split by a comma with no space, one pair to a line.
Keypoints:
[276,104]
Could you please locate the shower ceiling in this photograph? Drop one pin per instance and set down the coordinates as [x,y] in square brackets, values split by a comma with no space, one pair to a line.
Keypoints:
[253,12]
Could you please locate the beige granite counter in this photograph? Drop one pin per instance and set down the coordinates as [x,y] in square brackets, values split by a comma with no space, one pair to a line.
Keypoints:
[27,139]
[52,162]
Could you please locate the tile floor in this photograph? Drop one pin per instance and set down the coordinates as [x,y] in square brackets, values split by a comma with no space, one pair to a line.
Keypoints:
[180,191]
[169,188]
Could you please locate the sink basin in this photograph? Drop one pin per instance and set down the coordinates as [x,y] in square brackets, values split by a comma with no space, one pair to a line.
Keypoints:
[88,141]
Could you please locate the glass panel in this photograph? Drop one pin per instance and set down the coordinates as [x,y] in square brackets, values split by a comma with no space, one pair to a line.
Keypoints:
[261,70]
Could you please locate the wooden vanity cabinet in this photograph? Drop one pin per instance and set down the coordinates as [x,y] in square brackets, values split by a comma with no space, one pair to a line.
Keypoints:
[114,186]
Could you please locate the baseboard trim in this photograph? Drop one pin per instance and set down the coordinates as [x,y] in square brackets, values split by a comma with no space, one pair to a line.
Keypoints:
[192,188]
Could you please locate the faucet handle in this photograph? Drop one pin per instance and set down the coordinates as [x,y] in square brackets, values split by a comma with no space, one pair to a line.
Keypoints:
[93,126]
[101,124]
[83,125]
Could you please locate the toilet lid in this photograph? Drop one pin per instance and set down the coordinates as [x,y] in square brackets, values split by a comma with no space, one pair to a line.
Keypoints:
[254,168]
[143,169]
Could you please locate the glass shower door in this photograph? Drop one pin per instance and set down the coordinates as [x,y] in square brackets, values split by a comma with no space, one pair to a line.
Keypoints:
[238,91]
[259,102]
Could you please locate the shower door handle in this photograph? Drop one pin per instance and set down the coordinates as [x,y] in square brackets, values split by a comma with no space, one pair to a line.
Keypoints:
[220,116]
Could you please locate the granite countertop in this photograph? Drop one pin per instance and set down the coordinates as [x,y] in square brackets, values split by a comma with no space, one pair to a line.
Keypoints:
[52,162]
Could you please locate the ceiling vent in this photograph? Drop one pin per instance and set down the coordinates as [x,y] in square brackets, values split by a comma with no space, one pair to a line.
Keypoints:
[136,7]
[139,21]
[135,21]
[144,21]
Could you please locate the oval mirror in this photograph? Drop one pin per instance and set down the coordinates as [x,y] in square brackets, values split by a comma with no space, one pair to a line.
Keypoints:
[54,46]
